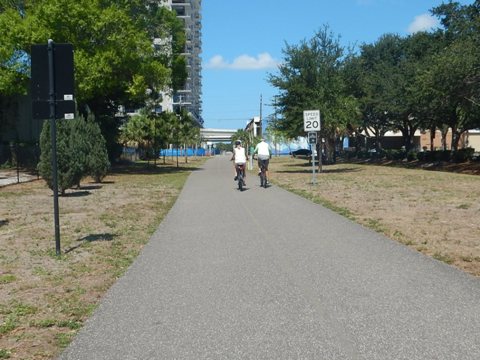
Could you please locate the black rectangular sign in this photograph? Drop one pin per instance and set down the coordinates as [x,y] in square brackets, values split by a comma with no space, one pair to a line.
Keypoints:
[63,80]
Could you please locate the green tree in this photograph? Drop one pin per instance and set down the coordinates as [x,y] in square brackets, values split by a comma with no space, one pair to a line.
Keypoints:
[244,137]
[167,125]
[97,163]
[311,78]
[275,134]
[115,63]
[184,131]
[139,130]
[81,152]
[452,80]
[384,77]
[362,81]
[70,157]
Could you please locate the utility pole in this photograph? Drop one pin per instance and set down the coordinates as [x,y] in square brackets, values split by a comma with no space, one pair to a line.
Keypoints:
[275,122]
[261,105]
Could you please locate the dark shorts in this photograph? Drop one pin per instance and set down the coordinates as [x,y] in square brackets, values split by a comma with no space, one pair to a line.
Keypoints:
[263,163]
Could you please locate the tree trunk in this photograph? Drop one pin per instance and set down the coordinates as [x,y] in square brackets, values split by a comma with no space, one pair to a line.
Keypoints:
[456,135]
[433,130]
[318,147]
[444,138]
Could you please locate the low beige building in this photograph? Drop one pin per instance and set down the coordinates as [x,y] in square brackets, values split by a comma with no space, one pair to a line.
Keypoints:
[470,138]
[473,139]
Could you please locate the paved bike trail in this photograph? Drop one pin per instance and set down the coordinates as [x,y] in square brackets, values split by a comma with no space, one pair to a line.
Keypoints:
[265,274]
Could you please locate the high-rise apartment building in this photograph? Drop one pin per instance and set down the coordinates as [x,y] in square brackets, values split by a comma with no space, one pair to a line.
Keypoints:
[189,97]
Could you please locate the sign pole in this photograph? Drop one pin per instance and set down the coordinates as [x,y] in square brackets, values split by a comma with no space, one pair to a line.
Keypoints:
[312,140]
[52,87]
[314,180]
[53,133]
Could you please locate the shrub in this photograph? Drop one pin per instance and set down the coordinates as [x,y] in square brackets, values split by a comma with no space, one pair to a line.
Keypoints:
[430,156]
[412,155]
[394,154]
[69,163]
[81,151]
[389,154]
[97,163]
[362,154]
[348,154]
[463,155]
[442,155]
[381,154]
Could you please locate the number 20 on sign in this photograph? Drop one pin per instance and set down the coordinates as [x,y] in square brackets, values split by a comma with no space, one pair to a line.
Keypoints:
[311,120]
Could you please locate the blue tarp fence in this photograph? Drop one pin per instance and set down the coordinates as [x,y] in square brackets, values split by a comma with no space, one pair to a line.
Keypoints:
[181,152]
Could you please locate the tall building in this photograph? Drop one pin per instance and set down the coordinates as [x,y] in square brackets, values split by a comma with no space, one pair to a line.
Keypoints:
[189,97]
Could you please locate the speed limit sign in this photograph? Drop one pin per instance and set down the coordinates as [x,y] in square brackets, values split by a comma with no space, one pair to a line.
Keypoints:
[311,120]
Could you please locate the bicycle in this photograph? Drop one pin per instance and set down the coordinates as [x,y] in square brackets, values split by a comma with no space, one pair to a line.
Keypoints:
[240,171]
[263,174]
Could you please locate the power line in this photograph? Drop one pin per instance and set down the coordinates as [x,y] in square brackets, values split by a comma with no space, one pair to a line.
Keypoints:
[227,119]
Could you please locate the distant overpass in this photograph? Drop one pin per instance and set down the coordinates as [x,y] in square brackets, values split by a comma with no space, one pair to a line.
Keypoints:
[217,135]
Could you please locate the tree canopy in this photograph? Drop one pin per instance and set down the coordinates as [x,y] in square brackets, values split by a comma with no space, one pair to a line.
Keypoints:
[115,60]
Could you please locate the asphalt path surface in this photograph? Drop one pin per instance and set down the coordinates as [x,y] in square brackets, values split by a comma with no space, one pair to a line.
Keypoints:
[265,274]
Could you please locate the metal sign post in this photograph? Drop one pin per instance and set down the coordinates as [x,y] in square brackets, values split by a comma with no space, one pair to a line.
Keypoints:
[53,134]
[312,140]
[52,85]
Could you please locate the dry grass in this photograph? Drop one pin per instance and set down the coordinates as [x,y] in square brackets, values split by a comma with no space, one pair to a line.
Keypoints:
[44,299]
[433,212]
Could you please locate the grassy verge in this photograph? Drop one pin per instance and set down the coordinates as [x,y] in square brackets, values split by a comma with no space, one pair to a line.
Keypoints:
[44,299]
[433,212]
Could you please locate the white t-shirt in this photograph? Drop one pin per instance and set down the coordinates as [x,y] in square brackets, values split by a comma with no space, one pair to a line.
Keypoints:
[262,150]
[240,157]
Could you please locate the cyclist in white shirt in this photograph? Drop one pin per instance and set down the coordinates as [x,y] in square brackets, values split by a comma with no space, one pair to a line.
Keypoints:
[240,159]
[263,151]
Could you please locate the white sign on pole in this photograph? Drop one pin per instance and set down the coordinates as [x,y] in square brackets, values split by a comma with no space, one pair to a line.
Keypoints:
[311,120]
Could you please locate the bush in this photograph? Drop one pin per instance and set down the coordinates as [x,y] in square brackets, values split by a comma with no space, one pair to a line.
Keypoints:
[69,165]
[97,163]
[348,154]
[430,156]
[422,155]
[363,154]
[394,154]
[463,155]
[81,151]
[381,154]
[412,155]
[442,155]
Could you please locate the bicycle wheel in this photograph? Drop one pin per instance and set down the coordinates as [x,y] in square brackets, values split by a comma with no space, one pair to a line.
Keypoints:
[240,181]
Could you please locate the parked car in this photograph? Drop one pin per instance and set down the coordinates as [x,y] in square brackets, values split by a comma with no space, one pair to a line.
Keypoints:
[302,153]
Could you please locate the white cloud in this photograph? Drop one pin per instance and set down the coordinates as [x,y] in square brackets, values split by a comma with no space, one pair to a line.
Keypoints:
[422,22]
[243,62]
[216,62]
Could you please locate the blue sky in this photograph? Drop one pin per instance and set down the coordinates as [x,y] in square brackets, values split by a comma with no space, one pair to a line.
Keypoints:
[242,43]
